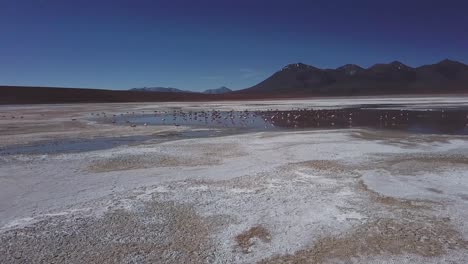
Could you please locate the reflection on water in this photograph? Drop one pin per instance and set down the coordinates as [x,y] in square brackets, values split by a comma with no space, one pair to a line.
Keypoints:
[437,121]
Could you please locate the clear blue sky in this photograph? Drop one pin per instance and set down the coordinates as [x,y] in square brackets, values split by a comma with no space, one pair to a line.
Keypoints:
[201,44]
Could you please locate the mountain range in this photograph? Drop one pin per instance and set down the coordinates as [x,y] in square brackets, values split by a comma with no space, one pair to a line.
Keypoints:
[296,80]
[159,89]
[220,90]
[350,79]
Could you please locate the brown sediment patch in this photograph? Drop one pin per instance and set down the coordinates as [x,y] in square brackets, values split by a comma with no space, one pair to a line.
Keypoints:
[404,164]
[334,166]
[427,237]
[132,162]
[156,233]
[245,239]
[38,127]
[450,158]
[414,163]
[210,150]
[203,155]
[379,134]
[50,130]
[394,202]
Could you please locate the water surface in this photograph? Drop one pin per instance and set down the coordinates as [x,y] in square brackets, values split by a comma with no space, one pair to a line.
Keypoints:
[433,120]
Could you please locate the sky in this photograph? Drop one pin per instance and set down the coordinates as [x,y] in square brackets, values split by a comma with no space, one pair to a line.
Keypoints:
[203,44]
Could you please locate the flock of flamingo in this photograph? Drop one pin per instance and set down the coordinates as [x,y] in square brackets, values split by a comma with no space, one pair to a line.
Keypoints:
[455,119]
[296,118]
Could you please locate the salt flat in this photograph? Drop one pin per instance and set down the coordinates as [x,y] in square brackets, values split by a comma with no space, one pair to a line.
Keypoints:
[288,196]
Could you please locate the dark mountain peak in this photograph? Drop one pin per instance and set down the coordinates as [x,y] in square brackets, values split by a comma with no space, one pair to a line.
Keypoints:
[446,69]
[298,67]
[350,66]
[394,65]
[378,66]
[220,90]
[398,64]
[350,69]
[448,62]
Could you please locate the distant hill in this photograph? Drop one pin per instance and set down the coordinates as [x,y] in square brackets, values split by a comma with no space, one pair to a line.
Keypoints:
[54,95]
[160,89]
[220,90]
[446,76]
